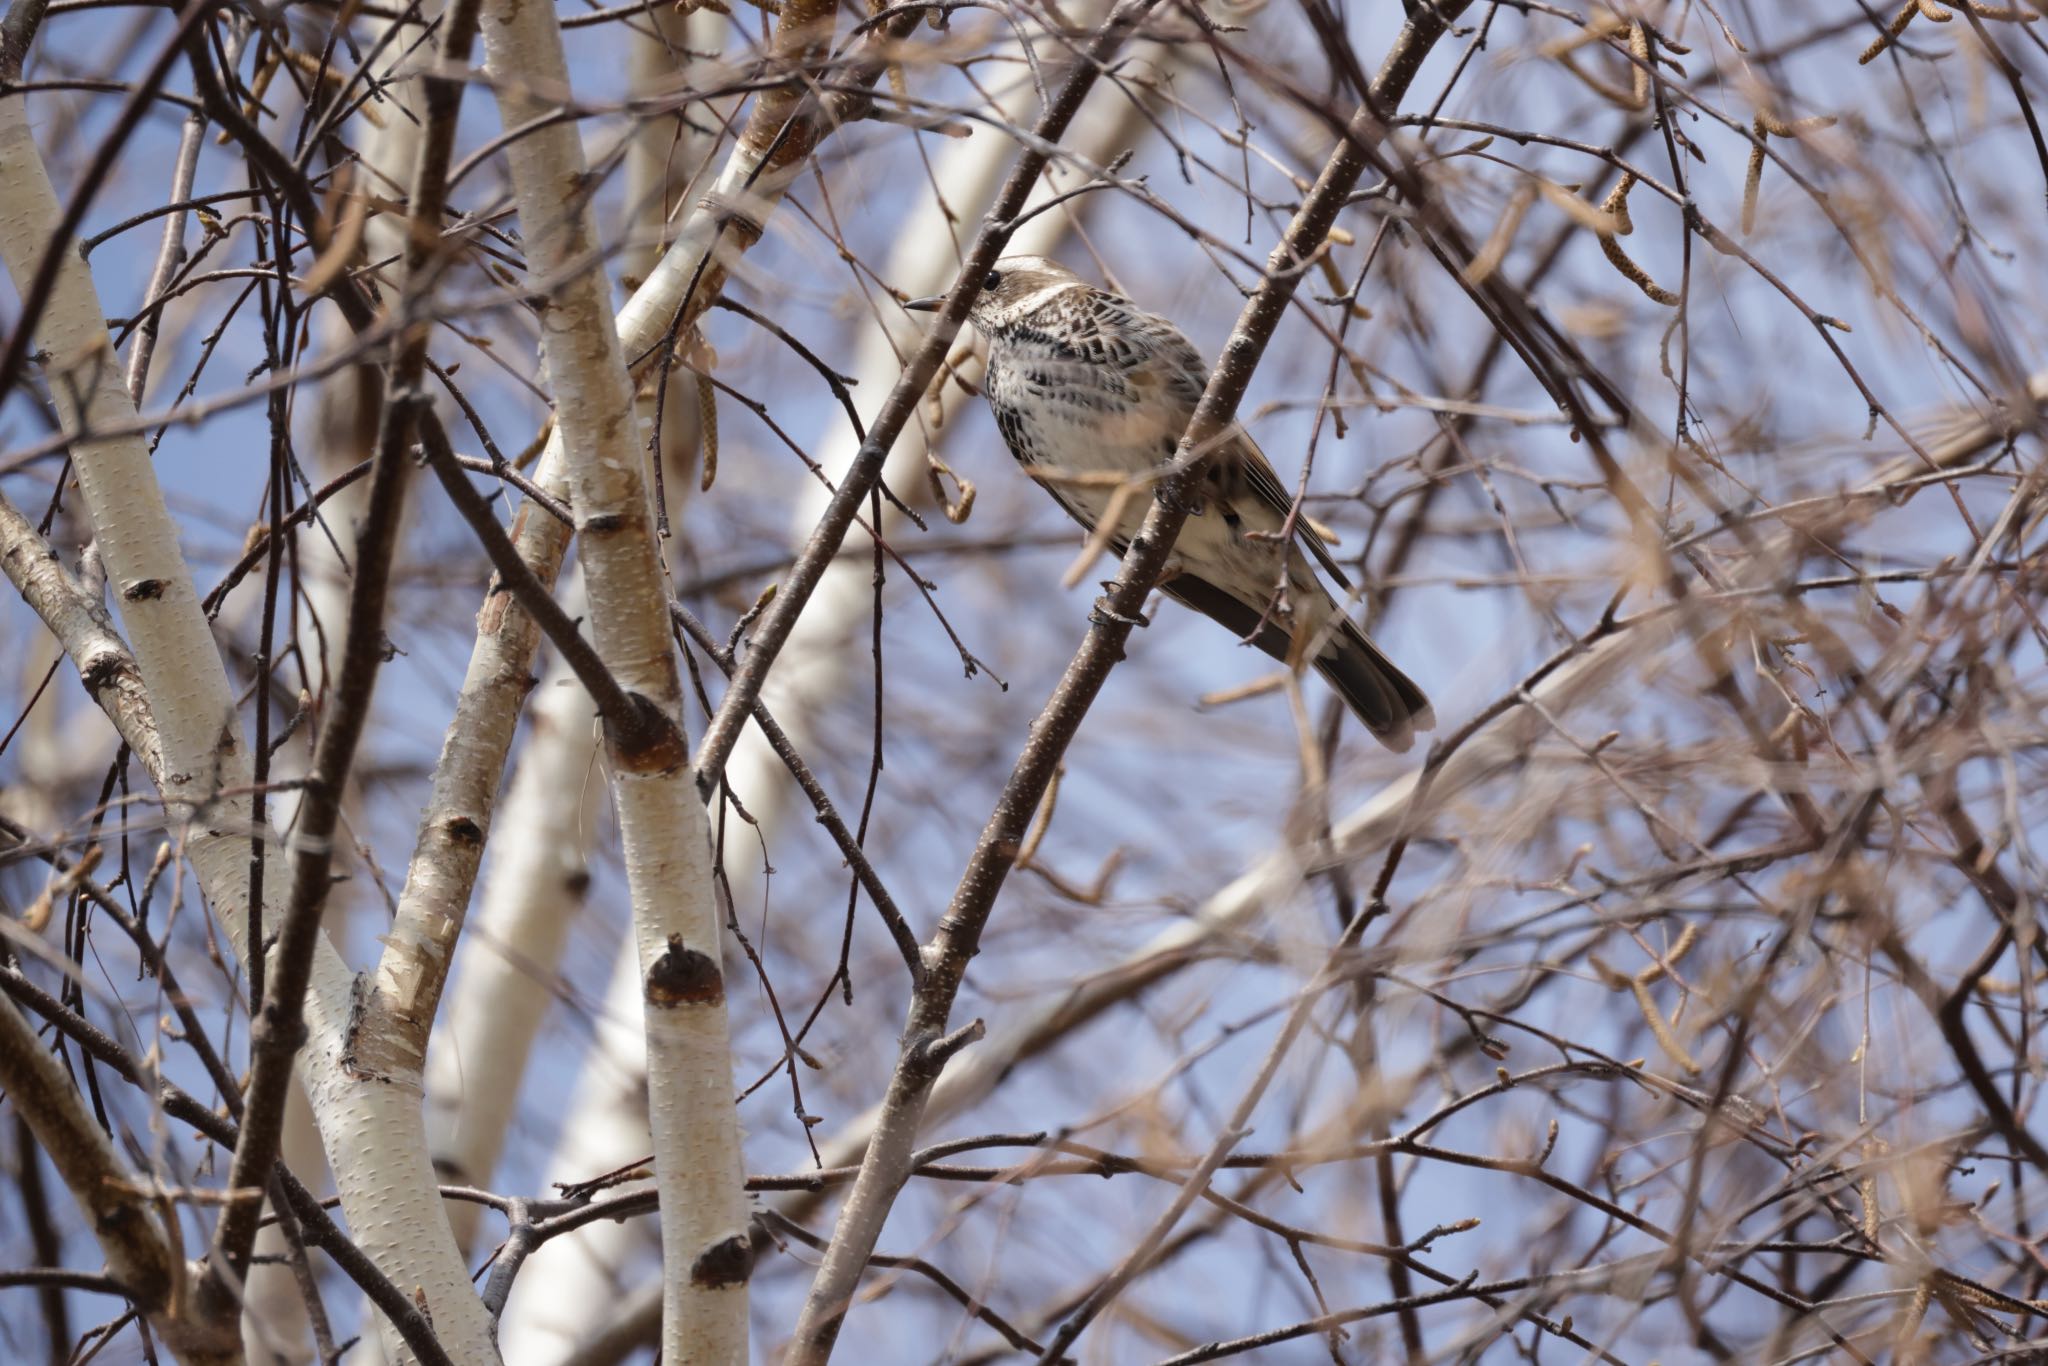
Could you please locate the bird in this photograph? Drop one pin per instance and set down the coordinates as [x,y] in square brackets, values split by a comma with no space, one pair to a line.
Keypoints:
[1092,394]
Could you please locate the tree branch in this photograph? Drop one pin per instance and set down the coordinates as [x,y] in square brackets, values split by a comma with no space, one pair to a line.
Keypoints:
[958,937]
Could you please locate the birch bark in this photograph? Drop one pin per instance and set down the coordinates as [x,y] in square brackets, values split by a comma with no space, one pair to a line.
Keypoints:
[121,1211]
[205,768]
[663,827]
[606,1124]
[537,867]
[725,222]
[345,435]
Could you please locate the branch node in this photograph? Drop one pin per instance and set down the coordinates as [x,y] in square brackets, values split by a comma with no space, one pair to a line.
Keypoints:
[726,1263]
[684,976]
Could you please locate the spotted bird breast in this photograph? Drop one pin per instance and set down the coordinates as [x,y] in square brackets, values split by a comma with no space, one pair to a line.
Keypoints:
[1087,391]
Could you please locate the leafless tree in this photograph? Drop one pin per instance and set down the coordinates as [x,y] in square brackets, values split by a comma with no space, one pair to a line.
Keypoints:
[468,453]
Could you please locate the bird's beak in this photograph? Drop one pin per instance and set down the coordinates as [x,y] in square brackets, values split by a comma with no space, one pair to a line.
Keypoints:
[927,305]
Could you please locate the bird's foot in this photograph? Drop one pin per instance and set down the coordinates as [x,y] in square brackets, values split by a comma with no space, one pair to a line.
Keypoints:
[1103,614]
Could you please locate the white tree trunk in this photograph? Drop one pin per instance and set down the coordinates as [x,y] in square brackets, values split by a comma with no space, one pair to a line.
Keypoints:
[664,831]
[538,872]
[606,1119]
[538,862]
[373,1135]
[345,433]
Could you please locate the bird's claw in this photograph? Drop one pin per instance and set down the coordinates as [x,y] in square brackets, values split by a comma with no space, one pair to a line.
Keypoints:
[1102,614]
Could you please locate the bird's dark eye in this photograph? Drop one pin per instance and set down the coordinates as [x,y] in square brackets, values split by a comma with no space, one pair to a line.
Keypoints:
[992,280]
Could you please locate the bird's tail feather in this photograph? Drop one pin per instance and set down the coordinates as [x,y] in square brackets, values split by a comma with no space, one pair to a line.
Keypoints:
[1380,695]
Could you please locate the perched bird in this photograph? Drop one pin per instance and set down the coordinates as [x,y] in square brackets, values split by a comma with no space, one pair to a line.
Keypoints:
[1091,391]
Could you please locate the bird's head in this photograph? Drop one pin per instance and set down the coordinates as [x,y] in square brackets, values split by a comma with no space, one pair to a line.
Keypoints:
[1014,288]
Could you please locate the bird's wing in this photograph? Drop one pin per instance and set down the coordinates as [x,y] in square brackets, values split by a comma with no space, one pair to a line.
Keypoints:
[1167,370]
[1257,478]
[1245,622]
[1176,368]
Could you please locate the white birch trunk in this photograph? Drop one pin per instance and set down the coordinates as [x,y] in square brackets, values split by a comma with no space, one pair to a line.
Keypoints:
[80,624]
[376,1147]
[345,434]
[665,158]
[664,831]
[605,1128]
[538,872]
[538,864]
[606,1121]
[442,872]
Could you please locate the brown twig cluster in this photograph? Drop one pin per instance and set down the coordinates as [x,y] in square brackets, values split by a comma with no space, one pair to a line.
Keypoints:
[1083,987]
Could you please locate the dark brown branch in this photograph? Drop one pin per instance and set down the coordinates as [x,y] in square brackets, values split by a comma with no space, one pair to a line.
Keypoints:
[828,815]
[319,1230]
[623,713]
[896,411]
[277,1005]
[958,937]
